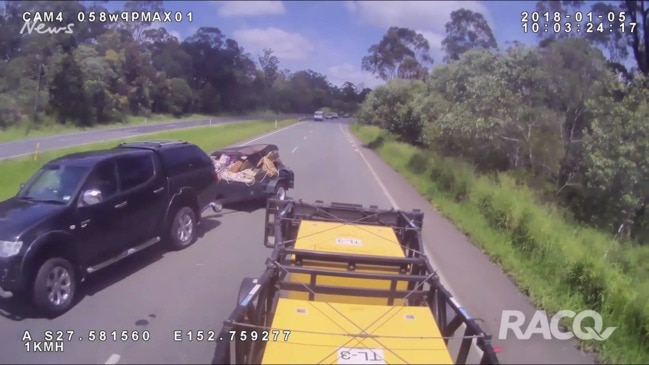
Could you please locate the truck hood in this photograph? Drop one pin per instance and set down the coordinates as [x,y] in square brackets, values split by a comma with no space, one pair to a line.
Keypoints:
[17,216]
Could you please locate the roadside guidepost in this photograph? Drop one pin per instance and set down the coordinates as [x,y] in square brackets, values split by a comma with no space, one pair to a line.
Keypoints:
[38,147]
[275,123]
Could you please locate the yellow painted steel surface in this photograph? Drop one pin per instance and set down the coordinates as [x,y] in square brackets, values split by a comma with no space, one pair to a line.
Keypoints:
[356,239]
[323,333]
[337,237]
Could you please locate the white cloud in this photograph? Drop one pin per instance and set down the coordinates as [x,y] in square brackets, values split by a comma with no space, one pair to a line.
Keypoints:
[285,45]
[426,17]
[250,8]
[339,74]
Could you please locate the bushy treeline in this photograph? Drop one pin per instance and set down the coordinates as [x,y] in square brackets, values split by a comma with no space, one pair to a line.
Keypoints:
[102,72]
[555,116]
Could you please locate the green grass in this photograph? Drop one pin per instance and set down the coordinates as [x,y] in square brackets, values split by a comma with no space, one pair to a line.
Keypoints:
[18,170]
[559,265]
[48,127]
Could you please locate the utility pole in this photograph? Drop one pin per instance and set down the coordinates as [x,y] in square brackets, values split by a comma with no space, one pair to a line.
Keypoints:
[36,98]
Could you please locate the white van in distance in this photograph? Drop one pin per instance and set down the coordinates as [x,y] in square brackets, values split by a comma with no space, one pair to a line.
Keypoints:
[318,116]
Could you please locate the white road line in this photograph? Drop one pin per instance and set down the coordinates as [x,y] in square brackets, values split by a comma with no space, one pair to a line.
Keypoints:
[270,134]
[394,204]
[378,180]
[113,359]
[304,137]
[294,149]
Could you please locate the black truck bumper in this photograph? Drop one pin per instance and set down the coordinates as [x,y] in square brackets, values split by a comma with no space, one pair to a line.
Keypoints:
[10,279]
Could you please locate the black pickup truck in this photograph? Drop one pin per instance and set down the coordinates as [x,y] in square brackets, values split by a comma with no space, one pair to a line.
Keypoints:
[83,212]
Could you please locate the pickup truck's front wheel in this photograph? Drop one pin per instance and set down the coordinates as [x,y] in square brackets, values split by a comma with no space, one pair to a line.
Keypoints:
[55,286]
[183,228]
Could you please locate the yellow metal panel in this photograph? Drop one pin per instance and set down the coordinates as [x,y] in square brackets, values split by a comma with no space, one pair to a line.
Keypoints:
[347,282]
[348,238]
[325,333]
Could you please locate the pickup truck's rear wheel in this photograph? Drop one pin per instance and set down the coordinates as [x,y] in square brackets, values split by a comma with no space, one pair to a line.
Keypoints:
[280,191]
[183,228]
[55,286]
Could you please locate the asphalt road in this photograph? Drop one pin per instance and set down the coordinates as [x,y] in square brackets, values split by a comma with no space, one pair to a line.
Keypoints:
[27,146]
[162,292]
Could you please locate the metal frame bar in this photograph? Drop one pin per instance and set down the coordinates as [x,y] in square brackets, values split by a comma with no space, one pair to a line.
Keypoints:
[282,222]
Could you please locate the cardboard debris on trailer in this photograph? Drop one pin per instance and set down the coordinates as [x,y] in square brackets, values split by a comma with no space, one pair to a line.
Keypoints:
[242,170]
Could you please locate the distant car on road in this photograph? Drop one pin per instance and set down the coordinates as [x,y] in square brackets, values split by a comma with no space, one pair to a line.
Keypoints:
[346,115]
[250,173]
[318,116]
[85,211]
[334,116]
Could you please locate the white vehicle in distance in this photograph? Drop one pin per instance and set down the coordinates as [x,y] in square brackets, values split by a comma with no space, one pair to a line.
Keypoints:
[318,116]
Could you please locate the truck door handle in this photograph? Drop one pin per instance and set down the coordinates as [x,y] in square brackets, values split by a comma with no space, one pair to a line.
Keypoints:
[121,205]
[158,190]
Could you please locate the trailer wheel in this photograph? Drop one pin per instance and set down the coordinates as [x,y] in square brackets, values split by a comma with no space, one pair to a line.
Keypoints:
[280,191]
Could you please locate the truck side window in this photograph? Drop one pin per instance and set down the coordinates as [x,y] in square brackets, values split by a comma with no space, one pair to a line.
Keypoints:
[182,159]
[135,170]
[104,179]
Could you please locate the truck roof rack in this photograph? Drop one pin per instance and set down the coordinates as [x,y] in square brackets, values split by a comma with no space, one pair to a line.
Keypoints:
[154,143]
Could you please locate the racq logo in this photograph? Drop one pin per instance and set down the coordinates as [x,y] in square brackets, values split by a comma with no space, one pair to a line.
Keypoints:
[540,324]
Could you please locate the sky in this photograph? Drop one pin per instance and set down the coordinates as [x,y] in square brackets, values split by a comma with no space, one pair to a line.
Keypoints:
[331,37]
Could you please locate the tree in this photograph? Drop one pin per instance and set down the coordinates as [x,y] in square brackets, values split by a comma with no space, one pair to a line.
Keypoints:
[638,13]
[616,150]
[391,107]
[103,72]
[401,53]
[555,113]
[349,93]
[67,91]
[136,28]
[270,66]
[466,30]
[576,71]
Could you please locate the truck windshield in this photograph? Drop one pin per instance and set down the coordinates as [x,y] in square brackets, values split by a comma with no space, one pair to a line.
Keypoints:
[54,183]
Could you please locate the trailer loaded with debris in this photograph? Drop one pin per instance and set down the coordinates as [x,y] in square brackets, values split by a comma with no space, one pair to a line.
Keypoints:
[249,173]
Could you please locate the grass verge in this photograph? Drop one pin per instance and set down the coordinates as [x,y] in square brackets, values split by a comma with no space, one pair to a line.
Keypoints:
[18,170]
[48,127]
[559,265]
